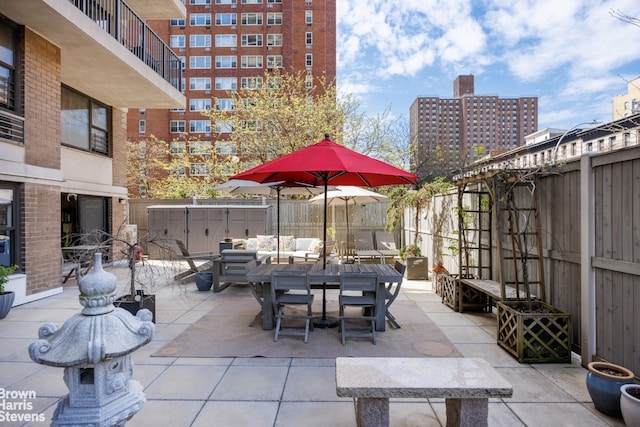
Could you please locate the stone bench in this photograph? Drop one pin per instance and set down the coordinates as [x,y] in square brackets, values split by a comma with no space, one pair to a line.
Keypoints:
[466,384]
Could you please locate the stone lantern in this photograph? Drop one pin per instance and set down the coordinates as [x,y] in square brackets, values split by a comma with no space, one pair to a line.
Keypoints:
[95,349]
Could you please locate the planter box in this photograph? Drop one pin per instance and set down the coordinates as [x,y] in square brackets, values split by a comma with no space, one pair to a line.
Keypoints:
[417,268]
[540,336]
[147,301]
[472,299]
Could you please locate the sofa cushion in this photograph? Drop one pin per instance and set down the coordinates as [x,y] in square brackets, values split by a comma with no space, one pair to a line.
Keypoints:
[305,244]
[265,243]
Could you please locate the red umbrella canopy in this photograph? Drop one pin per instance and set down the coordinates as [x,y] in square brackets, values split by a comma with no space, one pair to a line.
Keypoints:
[327,162]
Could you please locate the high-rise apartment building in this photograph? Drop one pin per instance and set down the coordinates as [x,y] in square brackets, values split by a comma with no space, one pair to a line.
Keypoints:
[226,45]
[627,104]
[446,134]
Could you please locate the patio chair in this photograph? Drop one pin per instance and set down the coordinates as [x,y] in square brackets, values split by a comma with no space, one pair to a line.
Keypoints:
[193,268]
[358,289]
[386,245]
[391,293]
[291,288]
[364,247]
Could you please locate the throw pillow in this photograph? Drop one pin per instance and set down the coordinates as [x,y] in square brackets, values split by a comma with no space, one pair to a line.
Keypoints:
[251,244]
[265,243]
[315,247]
[287,243]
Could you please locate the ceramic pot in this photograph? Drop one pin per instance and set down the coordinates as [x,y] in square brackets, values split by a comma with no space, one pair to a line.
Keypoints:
[6,302]
[204,280]
[630,405]
[604,386]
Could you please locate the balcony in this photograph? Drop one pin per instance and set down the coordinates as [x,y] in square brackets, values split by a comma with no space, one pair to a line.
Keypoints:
[107,51]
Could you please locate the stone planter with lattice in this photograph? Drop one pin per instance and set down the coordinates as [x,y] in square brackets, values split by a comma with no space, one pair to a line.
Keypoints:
[541,334]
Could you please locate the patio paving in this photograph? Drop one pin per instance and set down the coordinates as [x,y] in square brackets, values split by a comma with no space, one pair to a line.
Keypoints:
[283,392]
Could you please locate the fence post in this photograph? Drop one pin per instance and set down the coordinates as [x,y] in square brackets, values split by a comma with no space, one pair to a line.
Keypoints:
[587,272]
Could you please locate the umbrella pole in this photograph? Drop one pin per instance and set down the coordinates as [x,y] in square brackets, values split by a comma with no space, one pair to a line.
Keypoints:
[278,226]
[346,210]
[325,322]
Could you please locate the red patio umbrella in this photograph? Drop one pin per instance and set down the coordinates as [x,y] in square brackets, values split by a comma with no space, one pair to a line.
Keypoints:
[328,163]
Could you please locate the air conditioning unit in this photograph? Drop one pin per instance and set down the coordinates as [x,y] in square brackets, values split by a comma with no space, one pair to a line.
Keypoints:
[207,49]
[233,27]
[269,5]
[269,47]
[207,92]
[234,49]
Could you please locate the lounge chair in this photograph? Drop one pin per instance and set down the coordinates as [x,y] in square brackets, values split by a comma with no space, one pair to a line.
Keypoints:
[386,245]
[189,258]
[364,247]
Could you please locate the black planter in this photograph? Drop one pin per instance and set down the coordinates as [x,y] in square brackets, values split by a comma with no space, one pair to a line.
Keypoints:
[204,280]
[133,306]
[6,302]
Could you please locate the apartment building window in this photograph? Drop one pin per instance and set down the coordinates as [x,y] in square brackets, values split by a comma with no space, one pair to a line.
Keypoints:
[309,38]
[273,1]
[183,62]
[226,1]
[200,83]
[308,17]
[226,83]
[7,66]
[177,22]
[309,81]
[627,139]
[223,126]
[309,60]
[201,148]
[199,169]
[251,61]
[177,41]
[274,39]
[177,147]
[226,40]
[251,125]
[142,126]
[601,145]
[274,82]
[226,148]
[9,224]
[226,61]
[199,62]
[251,83]
[224,104]
[612,142]
[200,126]
[200,2]
[177,126]
[226,19]
[251,19]
[274,61]
[177,170]
[202,104]
[274,18]
[251,1]
[200,19]
[249,40]
[200,40]
[84,122]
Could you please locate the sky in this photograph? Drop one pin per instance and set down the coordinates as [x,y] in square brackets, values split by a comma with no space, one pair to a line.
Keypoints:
[572,54]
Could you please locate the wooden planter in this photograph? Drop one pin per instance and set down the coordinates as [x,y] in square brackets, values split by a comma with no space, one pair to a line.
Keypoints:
[542,335]
[472,299]
[417,268]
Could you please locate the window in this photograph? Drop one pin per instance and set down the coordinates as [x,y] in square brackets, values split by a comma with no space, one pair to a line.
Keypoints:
[177,147]
[252,61]
[223,126]
[308,17]
[7,67]
[199,169]
[226,61]
[226,19]
[251,1]
[225,1]
[200,104]
[251,40]
[177,41]
[199,1]
[251,125]
[9,224]
[200,40]
[226,148]
[308,80]
[274,39]
[177,22]
[274,18]
[200,126]
[226,40]
[226,83]
[176,170]
[274,82]
[202,148]
[309,59]
[308,38]
[200,19]
[199,62]
[177,126]
[142,126]
[200,83]
[626,137]
[224,104]
[251,83]
[274,1]
[252,19]
[84,123]
[274,61]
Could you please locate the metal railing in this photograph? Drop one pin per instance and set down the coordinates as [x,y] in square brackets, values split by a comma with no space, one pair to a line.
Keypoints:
[11,127]
[123,24]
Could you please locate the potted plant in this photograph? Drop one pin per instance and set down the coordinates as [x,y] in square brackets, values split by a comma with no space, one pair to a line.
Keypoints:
[6,297]
[630,404]
[417,265]
[204,280]
[604,381]
[136,299]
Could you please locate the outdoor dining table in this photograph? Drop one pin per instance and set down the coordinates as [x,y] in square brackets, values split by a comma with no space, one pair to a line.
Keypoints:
[323,276]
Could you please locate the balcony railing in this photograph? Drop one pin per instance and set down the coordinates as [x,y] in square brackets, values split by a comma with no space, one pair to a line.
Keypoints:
[11,127]
[123,24]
